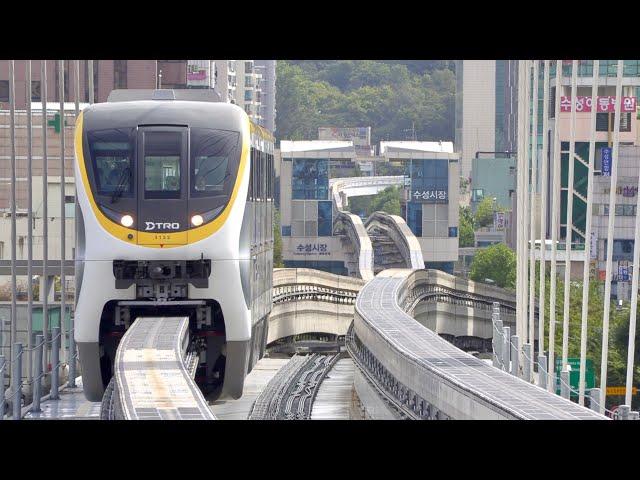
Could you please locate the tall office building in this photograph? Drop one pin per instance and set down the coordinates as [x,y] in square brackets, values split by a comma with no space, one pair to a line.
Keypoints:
[604,129]
[486,109]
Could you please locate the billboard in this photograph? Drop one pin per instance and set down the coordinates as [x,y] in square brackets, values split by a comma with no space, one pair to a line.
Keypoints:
[199,74]
[605,104]
[360,136]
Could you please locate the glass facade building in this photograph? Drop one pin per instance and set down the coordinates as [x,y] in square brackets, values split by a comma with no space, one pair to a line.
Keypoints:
[429,197]
[310,179]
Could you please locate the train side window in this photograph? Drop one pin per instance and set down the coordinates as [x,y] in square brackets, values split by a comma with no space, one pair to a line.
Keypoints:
[265,176]
[253,174]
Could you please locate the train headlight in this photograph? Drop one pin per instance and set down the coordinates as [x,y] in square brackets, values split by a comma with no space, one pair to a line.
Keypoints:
[197,220]
[126,220]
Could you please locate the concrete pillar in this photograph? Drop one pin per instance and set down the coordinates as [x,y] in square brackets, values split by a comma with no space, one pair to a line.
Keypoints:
[594,399]
[623,412]
[506,349]
[564,384]
[526,366]
[515,355]
[542,371]
[497,342]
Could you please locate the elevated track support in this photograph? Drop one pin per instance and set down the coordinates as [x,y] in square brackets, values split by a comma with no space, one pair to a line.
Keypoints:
[425,377]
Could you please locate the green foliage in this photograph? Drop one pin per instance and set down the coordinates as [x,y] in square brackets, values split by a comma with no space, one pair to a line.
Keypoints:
[618,331]
[277,241]
[383,169]
[497,263]
[484,213]
[390,96]
[391,206]
[387,200]
[467,237]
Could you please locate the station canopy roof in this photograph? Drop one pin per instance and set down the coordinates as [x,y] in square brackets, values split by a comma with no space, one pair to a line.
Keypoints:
[408,146]
[293,146]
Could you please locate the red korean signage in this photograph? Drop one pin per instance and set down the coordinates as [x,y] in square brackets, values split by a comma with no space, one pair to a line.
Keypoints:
[605,104]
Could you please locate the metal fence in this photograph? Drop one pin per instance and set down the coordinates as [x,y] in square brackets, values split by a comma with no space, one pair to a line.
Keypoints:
[39,365]
[536,100]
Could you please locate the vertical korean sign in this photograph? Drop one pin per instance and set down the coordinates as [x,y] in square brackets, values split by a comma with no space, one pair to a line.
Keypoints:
[606,162]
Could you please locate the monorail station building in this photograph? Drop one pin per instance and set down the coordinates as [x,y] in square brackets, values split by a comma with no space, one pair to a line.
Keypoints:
[429,206]
[306,215]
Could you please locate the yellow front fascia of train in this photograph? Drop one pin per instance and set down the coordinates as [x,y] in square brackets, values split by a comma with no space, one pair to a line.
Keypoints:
[164,240]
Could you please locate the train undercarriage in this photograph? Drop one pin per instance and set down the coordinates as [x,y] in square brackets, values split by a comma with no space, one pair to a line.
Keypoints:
[161,291]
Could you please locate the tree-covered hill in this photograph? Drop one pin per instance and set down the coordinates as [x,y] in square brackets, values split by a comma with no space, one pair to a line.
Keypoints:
[390,96]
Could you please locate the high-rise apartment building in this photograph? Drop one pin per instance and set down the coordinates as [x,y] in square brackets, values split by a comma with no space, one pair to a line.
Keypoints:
[267,70]
[237,81]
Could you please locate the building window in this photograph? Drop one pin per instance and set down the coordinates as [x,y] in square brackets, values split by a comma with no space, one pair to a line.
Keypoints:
[310,179]
[119,74]
[35,91]
[4,90]
[621,210]
[478,194]
[603,125]
[325,220]
[286,230]
[414,218]
[429,180]
[622,250]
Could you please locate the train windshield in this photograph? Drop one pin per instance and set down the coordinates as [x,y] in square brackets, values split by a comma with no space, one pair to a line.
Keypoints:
[214,160]
[162,153]
[112,153]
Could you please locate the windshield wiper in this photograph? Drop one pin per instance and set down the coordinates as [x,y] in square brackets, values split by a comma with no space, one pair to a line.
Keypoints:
[121,184]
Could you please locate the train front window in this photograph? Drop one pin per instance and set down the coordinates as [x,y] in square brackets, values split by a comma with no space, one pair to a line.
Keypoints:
[162,153]
[213,160]
[111,152]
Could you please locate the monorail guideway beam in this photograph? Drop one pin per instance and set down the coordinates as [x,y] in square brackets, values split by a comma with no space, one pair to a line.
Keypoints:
[153,379]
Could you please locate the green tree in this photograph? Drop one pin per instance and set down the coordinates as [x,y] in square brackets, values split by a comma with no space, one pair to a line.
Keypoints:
[388,200]
[484,213]
[467,237]
[277,241]
[618,332]
[391,96]
[391,206]
[497,263]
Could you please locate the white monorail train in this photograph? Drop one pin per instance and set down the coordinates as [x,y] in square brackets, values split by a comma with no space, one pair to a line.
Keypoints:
[175,219]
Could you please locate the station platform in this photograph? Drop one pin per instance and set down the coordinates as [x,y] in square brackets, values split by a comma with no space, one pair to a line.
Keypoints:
[71,406]
[260,375]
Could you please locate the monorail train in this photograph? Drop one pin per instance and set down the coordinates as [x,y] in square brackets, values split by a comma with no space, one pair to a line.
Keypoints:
[175,216]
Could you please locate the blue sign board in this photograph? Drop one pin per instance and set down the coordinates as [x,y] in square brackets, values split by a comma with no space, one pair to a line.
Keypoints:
[606,162]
